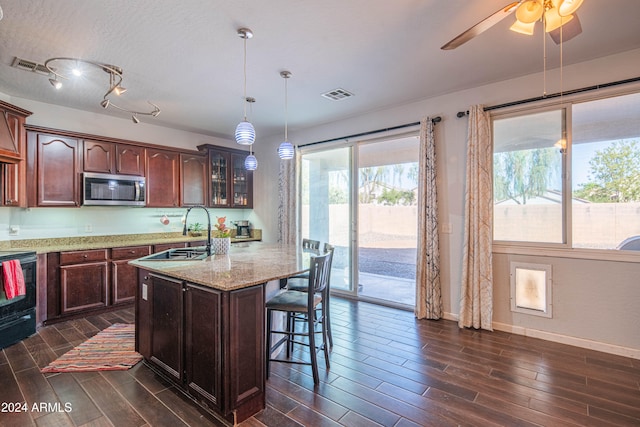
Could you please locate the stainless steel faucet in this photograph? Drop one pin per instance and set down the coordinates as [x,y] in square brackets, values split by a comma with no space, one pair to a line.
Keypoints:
[184,230]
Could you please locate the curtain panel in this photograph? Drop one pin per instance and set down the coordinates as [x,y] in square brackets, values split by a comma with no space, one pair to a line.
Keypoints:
[428,291]
[476,293]
[287,201]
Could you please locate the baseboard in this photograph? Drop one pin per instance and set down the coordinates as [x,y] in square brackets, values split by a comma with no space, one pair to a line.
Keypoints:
[569,340]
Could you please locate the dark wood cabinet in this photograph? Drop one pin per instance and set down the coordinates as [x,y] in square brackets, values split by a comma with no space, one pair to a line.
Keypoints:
[167,316]
[209,343]
[163,177]
[193,179]
[124,276]
[13,148]
[84,281]
[53,166]
[116,158]
[230,185]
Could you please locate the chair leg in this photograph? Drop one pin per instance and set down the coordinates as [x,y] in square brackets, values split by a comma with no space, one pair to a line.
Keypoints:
[268,342]
[291,326]
[327,318]
[324,325]
[312,349]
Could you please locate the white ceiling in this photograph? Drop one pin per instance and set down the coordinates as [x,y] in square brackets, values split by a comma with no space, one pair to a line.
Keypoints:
[186,57]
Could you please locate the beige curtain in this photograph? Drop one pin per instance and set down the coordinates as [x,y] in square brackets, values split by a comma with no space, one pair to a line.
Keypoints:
[476,293]
[428,294]
[287,201]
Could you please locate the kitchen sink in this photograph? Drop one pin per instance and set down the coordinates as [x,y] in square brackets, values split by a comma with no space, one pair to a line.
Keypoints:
[178,254]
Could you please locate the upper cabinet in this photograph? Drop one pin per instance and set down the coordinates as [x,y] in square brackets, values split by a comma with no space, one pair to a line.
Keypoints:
[109,157]
[12,151]
[193,179]
[231,185]
[163,177]
[53,166]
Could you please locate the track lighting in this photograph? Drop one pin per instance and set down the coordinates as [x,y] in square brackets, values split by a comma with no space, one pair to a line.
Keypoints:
[55,82]
[67,68]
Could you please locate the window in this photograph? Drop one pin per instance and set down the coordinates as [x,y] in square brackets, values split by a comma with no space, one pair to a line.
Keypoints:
[598,172]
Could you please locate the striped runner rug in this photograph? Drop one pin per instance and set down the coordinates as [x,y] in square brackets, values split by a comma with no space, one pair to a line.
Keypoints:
[109,350]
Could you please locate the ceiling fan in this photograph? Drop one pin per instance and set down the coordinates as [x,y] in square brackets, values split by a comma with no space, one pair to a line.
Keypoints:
[558,18]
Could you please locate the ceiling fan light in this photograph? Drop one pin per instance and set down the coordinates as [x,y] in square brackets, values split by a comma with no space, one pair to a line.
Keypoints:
[245,133]
[553,21]
[522,28]
[286,151]
[251,163]
[529,11]
[568,7]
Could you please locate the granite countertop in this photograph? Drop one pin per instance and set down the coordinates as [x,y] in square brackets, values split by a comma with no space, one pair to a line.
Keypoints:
[242,267]
[60,244]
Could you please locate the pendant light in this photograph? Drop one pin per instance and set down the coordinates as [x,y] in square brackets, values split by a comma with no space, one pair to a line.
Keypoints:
[245,133]
[250,162]
[285,150]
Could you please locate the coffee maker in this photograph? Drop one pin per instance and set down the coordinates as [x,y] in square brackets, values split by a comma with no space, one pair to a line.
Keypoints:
[242,229]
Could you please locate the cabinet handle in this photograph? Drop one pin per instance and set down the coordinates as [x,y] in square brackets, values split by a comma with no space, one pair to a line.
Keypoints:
[85,256]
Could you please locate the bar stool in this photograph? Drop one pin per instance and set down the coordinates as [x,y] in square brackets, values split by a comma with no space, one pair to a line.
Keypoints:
[301,283]
[304,304]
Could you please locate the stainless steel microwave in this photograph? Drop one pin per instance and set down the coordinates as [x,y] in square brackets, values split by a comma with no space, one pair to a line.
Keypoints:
[113,190]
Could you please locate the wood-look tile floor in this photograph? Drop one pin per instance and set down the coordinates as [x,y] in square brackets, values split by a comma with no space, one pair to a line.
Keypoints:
[386,369]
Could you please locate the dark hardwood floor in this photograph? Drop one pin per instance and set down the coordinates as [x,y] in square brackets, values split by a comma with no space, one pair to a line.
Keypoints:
[386,369]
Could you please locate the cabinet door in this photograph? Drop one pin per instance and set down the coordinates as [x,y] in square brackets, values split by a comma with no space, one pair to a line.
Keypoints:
[242,183]
[193,179]
[166,317]
[15,175]
[246,347]
[84,286]
[130,159]
[124,276]
[99,156]
[163,175]
[203,349]
[220,184]
[55,171]
[143,313]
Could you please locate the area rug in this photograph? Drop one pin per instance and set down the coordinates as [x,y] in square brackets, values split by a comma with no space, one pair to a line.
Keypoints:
[112,349]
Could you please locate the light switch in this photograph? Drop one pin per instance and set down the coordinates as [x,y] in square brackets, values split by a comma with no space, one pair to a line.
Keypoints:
[144,291]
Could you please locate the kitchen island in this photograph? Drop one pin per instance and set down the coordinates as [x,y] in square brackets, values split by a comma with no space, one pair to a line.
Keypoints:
[200,323]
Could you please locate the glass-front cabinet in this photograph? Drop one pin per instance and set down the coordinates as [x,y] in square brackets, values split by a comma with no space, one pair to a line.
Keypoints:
[231,183]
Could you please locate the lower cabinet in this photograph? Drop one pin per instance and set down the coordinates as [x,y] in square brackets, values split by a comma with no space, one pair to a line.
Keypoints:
[208,342]
[89,281]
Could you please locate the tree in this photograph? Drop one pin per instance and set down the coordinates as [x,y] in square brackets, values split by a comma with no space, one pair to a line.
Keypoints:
[614,175]
[524,174]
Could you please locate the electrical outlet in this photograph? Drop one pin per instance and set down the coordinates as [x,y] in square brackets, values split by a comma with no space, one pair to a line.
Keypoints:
[447,228]
[88,228]
[14,230]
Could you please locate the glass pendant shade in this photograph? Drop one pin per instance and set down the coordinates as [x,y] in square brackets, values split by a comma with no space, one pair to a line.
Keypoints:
[251,163]
[286,151]
[553,21]
[522,28]
[245,133]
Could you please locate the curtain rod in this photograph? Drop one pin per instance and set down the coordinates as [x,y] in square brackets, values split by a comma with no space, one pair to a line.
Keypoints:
[554,95]
[434,120]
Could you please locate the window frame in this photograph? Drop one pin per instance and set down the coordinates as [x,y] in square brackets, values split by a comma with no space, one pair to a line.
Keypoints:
[565,249]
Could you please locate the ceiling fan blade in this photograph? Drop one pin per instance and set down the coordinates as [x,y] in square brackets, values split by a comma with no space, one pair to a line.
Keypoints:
[481,26]
[569,30]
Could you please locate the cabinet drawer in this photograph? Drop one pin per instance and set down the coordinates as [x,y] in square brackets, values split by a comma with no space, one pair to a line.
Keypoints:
[79,257]
[130,252]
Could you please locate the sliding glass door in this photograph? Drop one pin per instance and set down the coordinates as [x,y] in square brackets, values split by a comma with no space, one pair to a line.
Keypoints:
[326,208]
[362,198]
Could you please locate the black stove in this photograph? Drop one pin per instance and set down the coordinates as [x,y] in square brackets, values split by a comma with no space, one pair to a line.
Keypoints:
[18,315]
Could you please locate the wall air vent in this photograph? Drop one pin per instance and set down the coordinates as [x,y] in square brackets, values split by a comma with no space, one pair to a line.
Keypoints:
[24,64]
[338,94]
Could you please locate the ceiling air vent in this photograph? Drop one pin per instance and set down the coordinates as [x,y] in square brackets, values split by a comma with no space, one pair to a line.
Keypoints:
[338,94]
[27,65]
